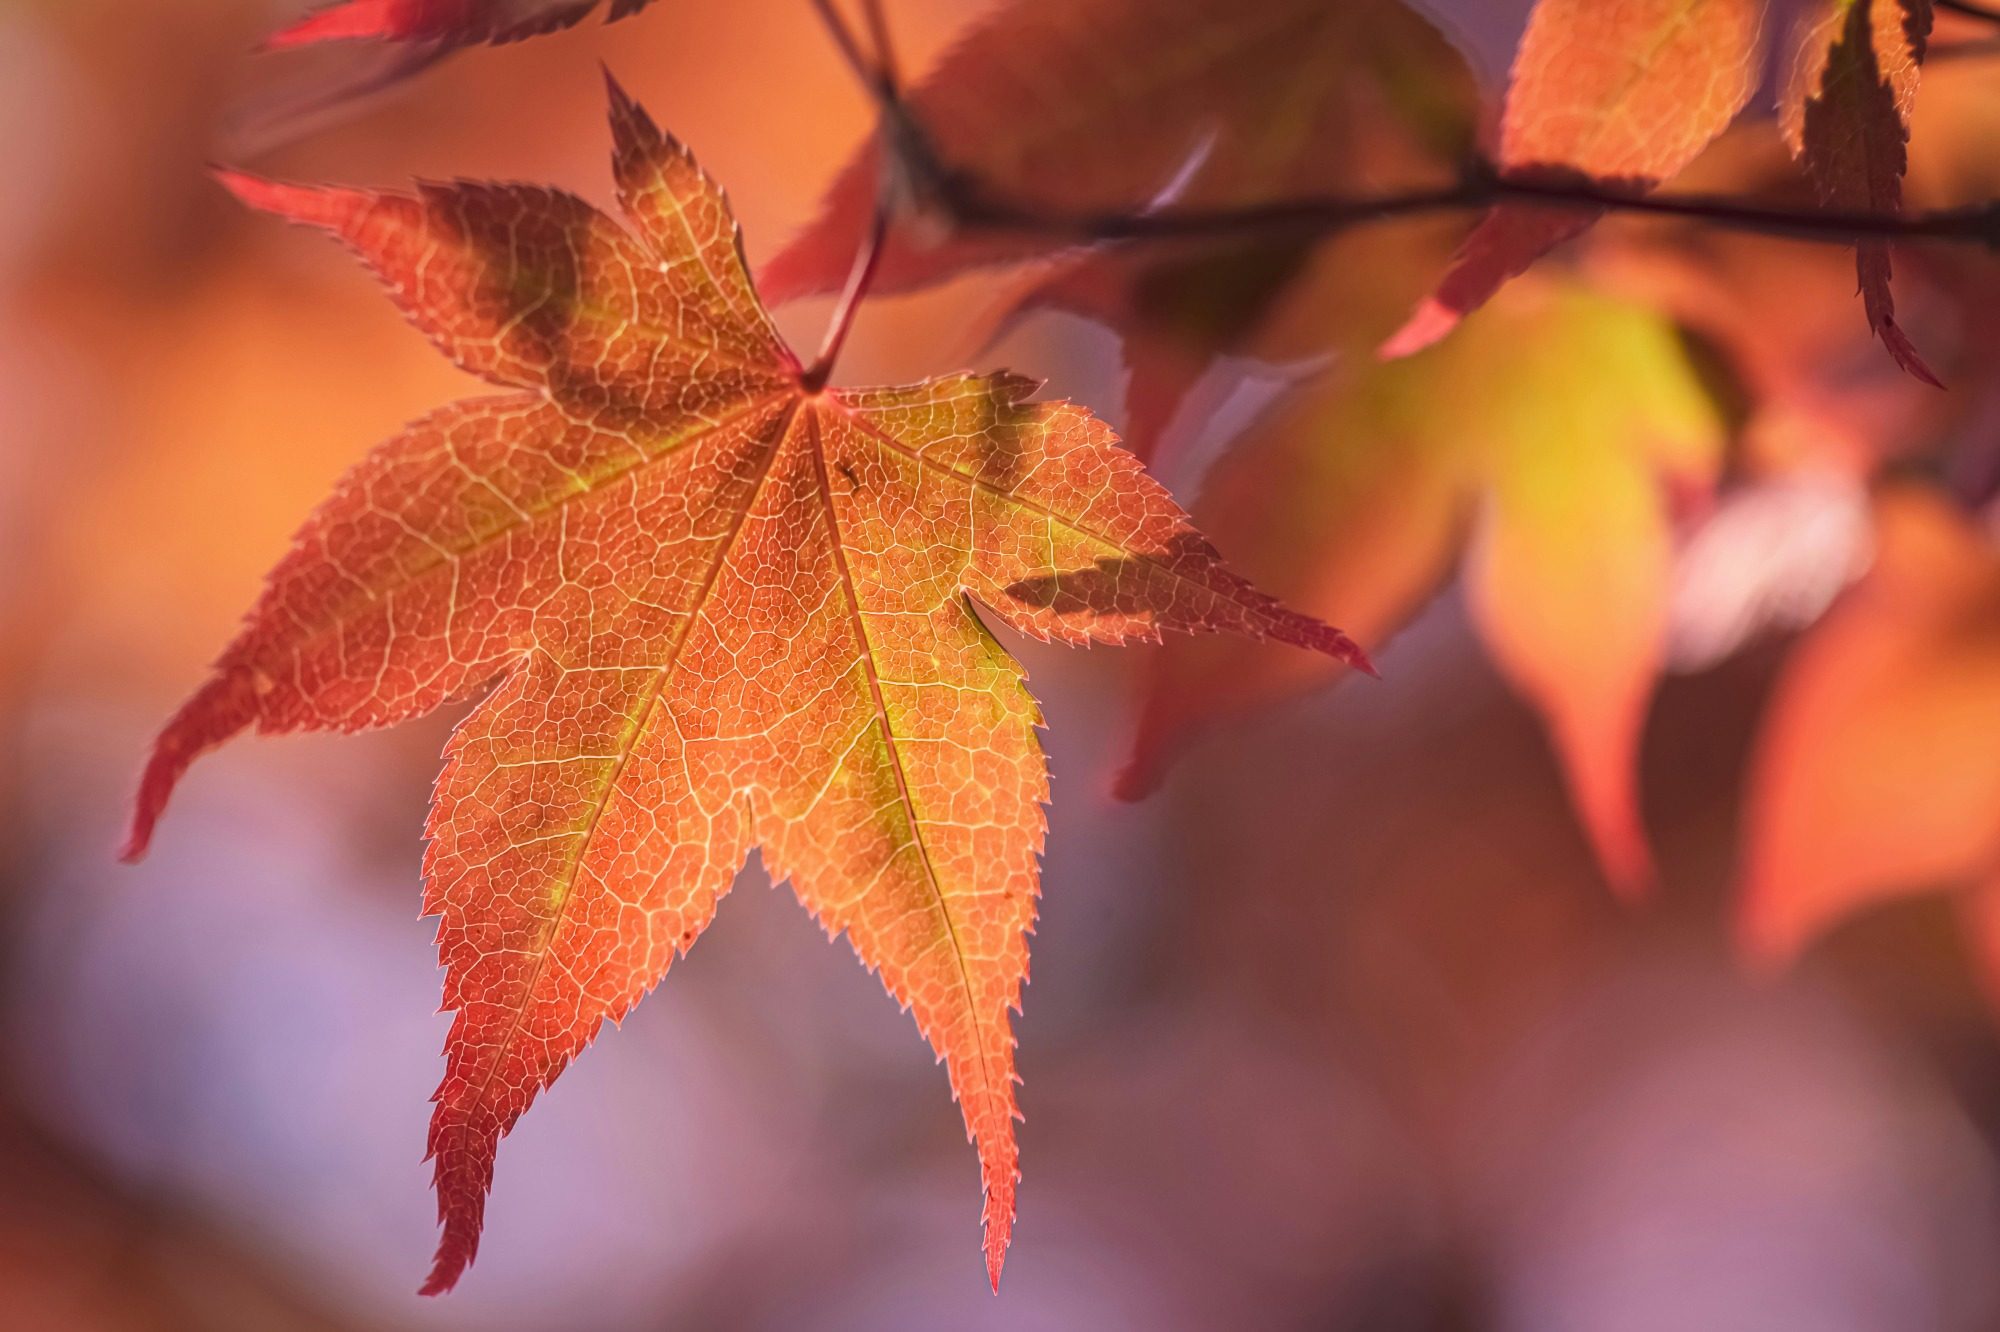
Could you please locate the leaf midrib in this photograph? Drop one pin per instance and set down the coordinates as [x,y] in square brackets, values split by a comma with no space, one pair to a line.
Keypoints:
[903,794]
[628,743]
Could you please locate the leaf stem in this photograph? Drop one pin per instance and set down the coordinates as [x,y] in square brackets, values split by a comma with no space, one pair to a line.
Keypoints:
[877,76]
[859,278]
[885,49]
[1969,9]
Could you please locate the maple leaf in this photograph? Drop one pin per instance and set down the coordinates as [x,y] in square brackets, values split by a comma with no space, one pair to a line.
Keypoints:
[1844,108]
[1264,98]
[1619,93]
[1542,445]
[1387,99]
[449,22]
[715,611]
[1875,775]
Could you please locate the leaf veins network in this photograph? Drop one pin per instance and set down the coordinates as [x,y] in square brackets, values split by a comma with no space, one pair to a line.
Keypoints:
[704,609]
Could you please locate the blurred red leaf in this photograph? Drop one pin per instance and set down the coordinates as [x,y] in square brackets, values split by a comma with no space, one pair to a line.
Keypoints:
[1276,97]
[1624,93]
[724,610]
[1845,111]
[1876,775]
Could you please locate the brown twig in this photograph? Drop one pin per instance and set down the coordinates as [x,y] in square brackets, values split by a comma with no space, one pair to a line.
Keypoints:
[885,48]
[1980,49]
[868,74]
[1968,9]
[969,202]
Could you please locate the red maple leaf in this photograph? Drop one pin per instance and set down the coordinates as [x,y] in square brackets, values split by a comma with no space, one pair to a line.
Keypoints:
[1845,110]
[705,608]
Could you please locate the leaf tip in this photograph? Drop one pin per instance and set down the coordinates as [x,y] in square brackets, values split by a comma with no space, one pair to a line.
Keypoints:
[621,101]
[139,839]
[1139,778]
[634,135]
[1906,354]
[997,1238]
[333,23]
[1425,328]
[295,203]
[155,786]
[218,710]
[638,144]
[457,1247]
[1323,638]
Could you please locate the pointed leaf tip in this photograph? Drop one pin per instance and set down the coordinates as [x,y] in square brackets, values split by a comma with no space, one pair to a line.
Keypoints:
[335,23]
[1135,781]
[1425,327]
[218,710]
[1318,636]
[621,101]
[638,144]
[632,128]
[1906,354]
[997,1239]
[312,205]
[457,1247]
[446,1269]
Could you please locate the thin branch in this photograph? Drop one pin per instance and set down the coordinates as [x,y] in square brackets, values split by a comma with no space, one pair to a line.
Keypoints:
[885,48]
[866,73]
[969,202]
[1972,50]
[1969,9]
[966,203]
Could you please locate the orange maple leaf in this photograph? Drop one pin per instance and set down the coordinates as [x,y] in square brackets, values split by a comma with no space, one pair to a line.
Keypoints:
[450,22]
[1876,776]
[1622,93]
[1541,450]
[724,611]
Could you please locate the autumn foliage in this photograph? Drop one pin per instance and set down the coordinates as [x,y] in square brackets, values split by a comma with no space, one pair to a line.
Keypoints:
[699,604]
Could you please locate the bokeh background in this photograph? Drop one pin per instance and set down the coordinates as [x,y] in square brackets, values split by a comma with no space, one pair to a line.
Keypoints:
[1341,1029]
